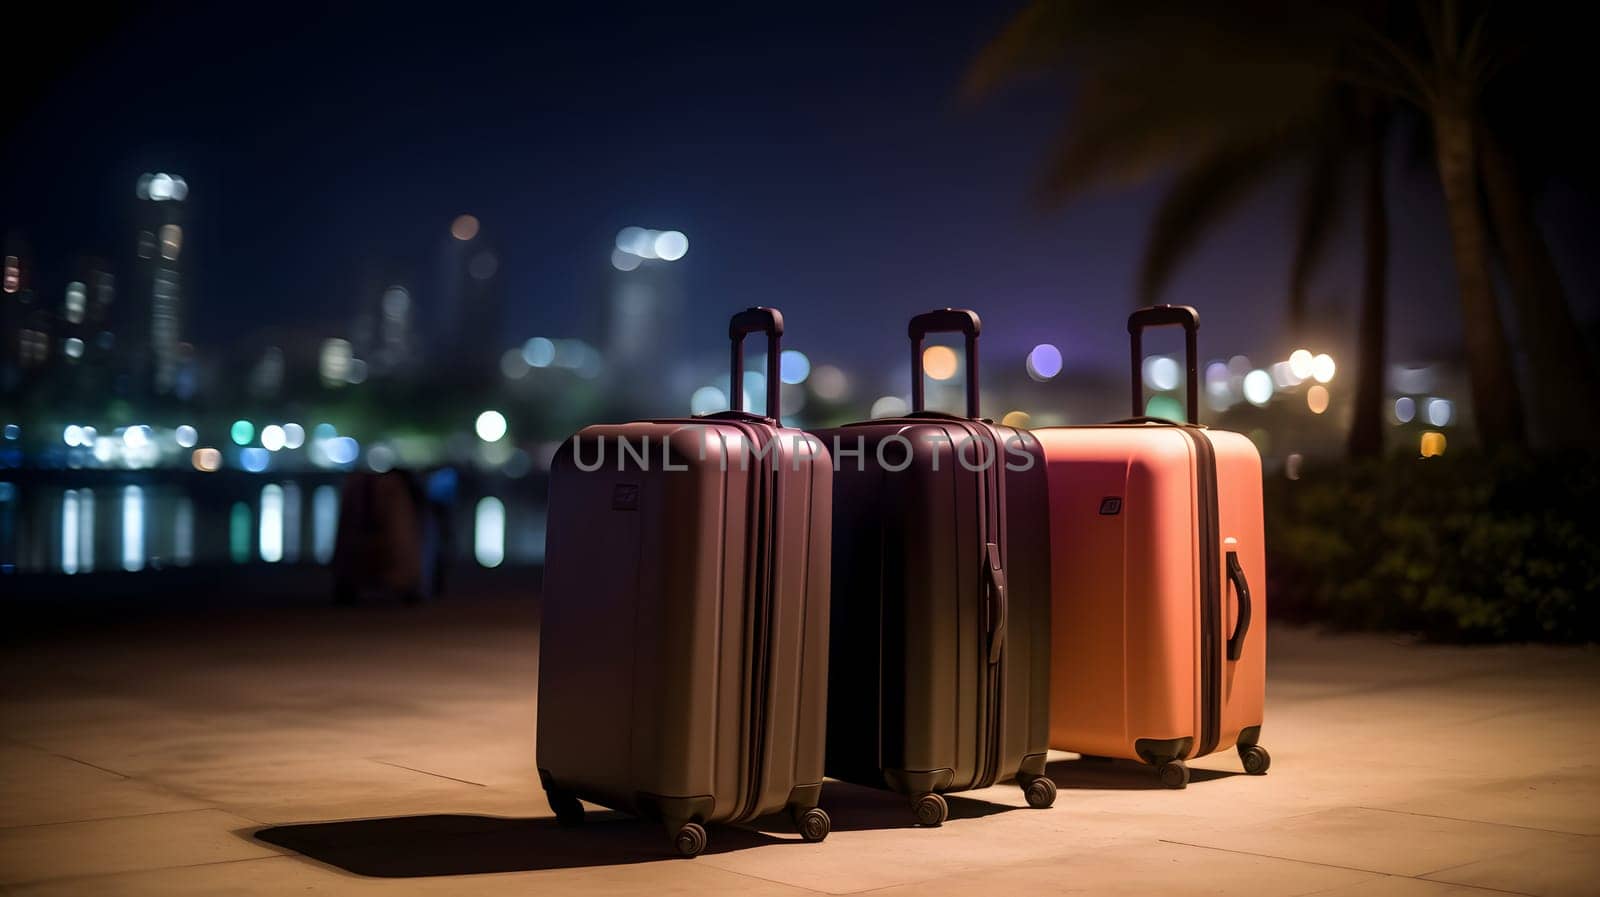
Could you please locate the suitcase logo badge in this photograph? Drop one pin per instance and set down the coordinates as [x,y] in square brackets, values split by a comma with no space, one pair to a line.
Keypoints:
[625,497]
[1110,505]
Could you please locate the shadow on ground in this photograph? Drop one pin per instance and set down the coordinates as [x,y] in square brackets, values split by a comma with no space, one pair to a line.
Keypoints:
[461,844]
[858,808]
[420,846]
[1105,774]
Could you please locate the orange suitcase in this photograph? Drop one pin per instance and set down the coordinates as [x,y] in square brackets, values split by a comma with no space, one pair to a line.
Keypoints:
[1158,643]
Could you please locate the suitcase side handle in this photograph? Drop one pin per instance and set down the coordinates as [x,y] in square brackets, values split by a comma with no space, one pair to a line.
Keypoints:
[996,576]
[945,320]
[1236,576]
[1162,316]
[757,319]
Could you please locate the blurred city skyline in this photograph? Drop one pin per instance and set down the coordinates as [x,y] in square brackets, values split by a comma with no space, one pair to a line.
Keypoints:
[817,160]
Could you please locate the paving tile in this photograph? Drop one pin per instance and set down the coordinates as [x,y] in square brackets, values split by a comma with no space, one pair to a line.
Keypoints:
[276,876]
[1570,869]
[1401,886]
[1377,841]
[38,787]
[1563,800]
[303,721]
[125,844]
[1143,870]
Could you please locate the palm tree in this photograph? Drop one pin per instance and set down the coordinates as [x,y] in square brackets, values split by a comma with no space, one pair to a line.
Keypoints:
[1230,93]
[1231,98]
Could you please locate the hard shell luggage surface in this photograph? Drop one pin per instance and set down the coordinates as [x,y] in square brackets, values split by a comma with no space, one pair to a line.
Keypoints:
[683,643]
[1158,632]
[939,672]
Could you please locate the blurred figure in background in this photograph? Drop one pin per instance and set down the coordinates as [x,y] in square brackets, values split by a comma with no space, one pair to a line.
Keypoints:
[382,545]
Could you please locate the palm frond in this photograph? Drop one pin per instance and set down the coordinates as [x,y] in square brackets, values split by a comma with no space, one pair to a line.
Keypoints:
[1317,217]
[1205,192]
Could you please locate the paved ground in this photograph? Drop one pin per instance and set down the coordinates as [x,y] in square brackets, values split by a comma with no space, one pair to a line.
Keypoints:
[384,751]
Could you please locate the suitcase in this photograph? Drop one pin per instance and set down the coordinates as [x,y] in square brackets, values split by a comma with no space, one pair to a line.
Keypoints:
[684,642]
[940,666]
[1159,645]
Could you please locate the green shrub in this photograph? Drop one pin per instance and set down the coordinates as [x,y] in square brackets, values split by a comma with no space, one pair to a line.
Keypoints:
[1461,548]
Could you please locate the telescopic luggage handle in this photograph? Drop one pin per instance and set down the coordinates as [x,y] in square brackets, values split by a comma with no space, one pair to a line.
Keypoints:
[1160,316]
[945,320]
[758,319]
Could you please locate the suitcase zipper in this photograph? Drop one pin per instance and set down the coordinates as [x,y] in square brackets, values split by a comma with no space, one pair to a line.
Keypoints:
[993,483]
[761,637]
[1210,594]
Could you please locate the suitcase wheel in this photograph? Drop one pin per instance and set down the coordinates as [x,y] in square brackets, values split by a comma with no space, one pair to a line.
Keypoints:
[813,824]
[1256,759]
[931,809]
[1174,774]
[1041,792]
[569,810]
[690,840]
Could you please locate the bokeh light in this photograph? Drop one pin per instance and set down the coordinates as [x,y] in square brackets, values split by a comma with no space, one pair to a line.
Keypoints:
[1440,411]
[1016,418]
[624,261]
[1044,362]
[294,435]
[1300,361]
[464,228]
[539,352]
[889,406]
[254,459]
[342,450]
[1258,387]
[272,438]
[1322,368]
[186,436]
[491,426]
[830,383]
[793,366]
[1432,444]
[1317,398]
[1164,407]
[242,432]
[1161,372]
[708,400]
[940,362]
[1405,409]
[671,245]
[206,460]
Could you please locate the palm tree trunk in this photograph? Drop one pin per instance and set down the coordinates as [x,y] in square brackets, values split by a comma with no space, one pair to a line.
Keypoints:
[1366,426]
[1495,402]
[1560,363]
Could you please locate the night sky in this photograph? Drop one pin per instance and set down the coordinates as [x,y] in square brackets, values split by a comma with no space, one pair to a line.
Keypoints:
[818,157]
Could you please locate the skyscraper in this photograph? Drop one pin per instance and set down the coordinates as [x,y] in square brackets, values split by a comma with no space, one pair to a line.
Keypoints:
[647,303]
[161,198]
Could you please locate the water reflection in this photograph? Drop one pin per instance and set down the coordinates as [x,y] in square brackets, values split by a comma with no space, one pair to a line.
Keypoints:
[132,528]
[324,522]
[291,523]
[271,545]
[489,532]
[183,531]
[239,533]
[158,520]
[69,532]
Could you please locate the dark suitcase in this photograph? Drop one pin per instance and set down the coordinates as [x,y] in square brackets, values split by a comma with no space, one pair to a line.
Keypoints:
[684,640]
[940,664]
